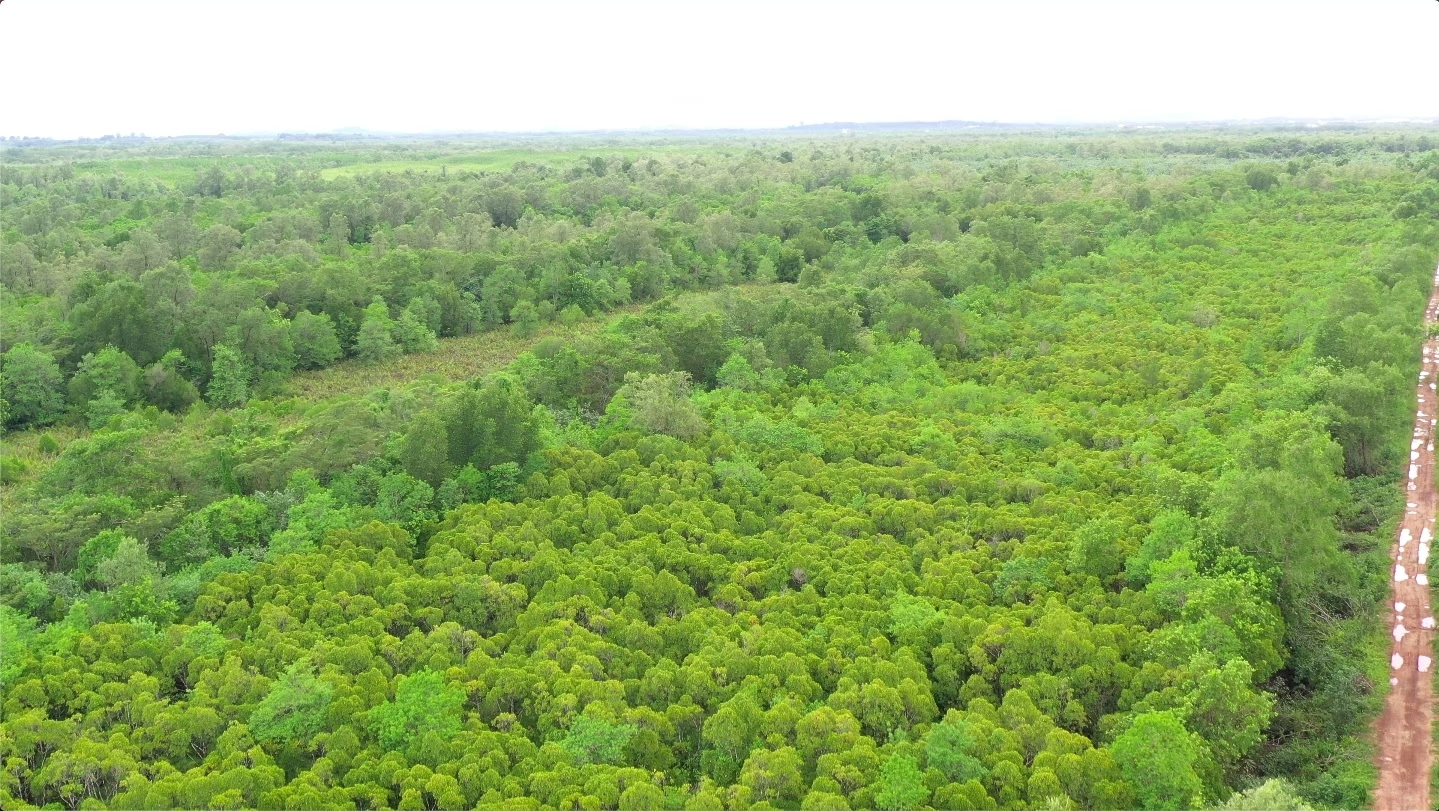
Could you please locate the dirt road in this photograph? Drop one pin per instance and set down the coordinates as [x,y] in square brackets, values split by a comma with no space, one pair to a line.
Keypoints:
[1403,732]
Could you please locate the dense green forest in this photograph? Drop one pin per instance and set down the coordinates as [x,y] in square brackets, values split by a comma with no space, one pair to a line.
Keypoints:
[988,471]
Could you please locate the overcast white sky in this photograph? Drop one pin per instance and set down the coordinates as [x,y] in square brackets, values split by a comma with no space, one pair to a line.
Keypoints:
[171,67]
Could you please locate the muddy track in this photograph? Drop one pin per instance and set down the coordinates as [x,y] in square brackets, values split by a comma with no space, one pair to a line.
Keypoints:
[1403,731]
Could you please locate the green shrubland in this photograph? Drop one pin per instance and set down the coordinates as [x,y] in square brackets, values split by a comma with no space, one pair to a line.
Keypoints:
[968,472]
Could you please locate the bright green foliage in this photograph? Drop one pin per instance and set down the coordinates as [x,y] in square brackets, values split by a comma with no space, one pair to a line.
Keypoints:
[16,632]
[1159,758]
[128,565]
[595,740]
[525,318]
[1029,472]
[220,528]
[950,747]
[1219,704]
[317,513]
[1169,532]
[376,341]
[295,708]
[824,801]
[661,404]
[12,469]
[314,339]
[470,484]
[262,337]
[1271,795]
[901,785]
[30,384]
[411,331]
[738,373]
[912,620]
[403,499]
[773,776]
[1099,549]
[104,406]
[642,797]
[96,551]
[229,378]
[28,591]
[572,315]
[109,374]
[424,708]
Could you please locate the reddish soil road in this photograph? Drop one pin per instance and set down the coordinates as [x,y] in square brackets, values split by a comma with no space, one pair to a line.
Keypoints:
[1403,732]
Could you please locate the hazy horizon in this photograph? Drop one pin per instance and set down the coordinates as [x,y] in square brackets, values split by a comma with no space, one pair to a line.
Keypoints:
[823,127]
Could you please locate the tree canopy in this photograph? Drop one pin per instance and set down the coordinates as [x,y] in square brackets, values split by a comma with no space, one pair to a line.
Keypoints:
[987,471]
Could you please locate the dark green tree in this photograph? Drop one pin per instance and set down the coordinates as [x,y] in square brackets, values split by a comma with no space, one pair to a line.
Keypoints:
[425,453]
[314,339]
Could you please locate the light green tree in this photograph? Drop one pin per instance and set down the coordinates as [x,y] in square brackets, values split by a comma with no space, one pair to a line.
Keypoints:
[376,341]
[424,703]
[425,453]
[661,404]
[1271,795]
[104,406]
[217,245]
[595,740]
[229,378]
[412,332]
[901,784]
[1158,756]
[774,776]
[30,386]
[949,747]
[525,318]
[129,564]
[295,708]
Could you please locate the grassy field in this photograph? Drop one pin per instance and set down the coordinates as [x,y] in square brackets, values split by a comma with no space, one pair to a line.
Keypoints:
[460,358]
[341,160]
[498,160]
[495,160]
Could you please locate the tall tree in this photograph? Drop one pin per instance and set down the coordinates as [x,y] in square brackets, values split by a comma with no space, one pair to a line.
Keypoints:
[425,453]
[229,378]
[30,384]
[1158,756]
[376,341]
[314,339]
[295,708]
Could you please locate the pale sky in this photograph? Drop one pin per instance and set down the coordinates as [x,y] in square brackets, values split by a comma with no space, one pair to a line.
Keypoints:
[173,67]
